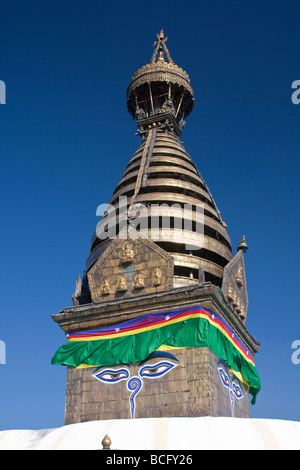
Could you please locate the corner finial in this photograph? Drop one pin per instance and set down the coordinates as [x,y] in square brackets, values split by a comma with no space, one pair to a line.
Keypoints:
[106,442]
[242,245]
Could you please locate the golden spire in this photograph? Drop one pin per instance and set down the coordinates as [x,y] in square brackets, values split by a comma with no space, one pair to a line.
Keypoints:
[161,48]
[242,245]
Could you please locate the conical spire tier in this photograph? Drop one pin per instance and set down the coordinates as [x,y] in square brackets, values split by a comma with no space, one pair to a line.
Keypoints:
[160,90]
[162,174]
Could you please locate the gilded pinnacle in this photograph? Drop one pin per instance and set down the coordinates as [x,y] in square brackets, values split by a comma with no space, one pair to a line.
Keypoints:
[160,37]
[161,48]
[242,245]
[106,442]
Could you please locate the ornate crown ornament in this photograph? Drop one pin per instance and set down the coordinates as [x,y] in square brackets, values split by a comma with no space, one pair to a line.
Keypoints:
[146,85]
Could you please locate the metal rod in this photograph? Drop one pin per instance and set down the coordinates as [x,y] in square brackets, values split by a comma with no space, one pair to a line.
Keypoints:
[180,102]
[151,99]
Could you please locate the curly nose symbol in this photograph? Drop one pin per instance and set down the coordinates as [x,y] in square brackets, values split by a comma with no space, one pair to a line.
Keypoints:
[134,385]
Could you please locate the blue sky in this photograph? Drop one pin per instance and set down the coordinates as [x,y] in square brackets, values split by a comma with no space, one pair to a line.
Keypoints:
[66,137]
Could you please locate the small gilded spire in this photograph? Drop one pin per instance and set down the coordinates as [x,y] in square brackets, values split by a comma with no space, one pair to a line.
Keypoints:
[242,245]
[106,442]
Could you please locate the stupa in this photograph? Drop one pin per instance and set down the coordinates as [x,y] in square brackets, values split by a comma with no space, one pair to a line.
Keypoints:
[157,326]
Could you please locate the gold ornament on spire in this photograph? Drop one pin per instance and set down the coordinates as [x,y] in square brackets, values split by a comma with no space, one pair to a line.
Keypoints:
[161,48]
[161,76]
[242,245]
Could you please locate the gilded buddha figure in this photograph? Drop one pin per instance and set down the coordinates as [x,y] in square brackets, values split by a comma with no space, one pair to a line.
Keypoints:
[139,281]
[121,284]
[156,277]
[105,287]
[127,253]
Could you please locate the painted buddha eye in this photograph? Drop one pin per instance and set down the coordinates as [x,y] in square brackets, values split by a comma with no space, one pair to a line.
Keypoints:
[237,390]
[112,375]
[224,377]
[156,370]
